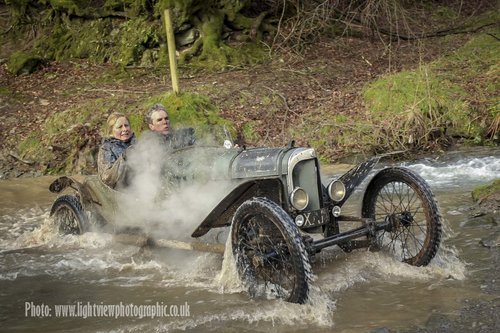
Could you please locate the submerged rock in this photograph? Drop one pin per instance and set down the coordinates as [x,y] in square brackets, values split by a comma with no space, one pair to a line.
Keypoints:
[491,241]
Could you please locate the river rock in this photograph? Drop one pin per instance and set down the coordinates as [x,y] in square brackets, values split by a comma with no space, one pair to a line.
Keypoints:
[491,241]
[439,323]
[380,330]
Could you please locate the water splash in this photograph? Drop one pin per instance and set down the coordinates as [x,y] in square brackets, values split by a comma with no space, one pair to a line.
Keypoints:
[262,316]
[228,279]
[362,267]
[464,172]
[17,222]
[47,234]
[318,309]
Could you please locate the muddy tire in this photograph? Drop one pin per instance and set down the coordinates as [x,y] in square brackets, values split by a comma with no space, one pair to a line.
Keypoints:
[403,197]
[270,254]
[69,216]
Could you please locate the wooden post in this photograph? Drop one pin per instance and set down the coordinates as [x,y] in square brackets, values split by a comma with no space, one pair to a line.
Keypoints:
[171,51]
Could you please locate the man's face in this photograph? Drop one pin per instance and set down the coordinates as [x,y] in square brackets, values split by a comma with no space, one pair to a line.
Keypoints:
[160,122]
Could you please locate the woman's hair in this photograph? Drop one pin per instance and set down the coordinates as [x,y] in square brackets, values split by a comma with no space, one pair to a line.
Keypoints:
[112,121]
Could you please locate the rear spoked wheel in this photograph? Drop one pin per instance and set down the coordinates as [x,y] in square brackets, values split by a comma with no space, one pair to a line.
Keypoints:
[270,254]
[404,200]
[69,216]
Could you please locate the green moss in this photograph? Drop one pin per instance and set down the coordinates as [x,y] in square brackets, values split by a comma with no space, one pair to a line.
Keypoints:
[23,63]
[31,146]
[180,10]
[89,8]
[476,67]
[85,29]
[94,40]
[336,134]
[419,101]
[102,40]
[163,60]
[249,131]
[137,122]
[215,53]
[486,190]
[92,114]
[78,7]
[137,35]
[133,8]
[227,57]
[188,109]
[443,13]
[250,54]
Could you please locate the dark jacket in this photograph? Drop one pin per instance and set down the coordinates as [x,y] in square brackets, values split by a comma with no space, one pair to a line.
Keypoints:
[111,161]
[176,139]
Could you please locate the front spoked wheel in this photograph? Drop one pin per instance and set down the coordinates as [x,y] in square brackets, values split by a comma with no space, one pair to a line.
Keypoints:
[270,254]
[403,199]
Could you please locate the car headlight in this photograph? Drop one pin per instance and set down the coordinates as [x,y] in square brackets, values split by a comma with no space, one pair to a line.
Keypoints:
[336,190]
[299,198]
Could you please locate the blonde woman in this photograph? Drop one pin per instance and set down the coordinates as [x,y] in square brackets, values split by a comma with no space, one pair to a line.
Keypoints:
[111,158]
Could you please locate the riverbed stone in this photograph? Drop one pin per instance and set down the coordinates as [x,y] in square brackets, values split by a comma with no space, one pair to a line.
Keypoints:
[439,323]
[491,241]
[380,330]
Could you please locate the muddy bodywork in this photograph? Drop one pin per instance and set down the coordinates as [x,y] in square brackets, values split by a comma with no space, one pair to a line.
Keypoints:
[98,200]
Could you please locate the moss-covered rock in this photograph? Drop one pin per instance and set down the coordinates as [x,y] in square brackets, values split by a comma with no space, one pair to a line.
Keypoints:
[23,63]
[487,197]
[485,191]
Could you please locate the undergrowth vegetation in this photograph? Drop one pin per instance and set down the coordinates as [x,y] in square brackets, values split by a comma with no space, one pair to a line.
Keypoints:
[456,96]
[452,99]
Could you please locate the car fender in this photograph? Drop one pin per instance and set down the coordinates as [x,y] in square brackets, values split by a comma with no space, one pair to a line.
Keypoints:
[355,176]
[222,214]
[61,183]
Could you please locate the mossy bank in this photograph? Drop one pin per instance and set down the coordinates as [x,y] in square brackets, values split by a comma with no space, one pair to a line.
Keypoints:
[488,197]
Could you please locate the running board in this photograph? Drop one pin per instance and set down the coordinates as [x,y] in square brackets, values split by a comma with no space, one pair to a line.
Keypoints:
[142,240]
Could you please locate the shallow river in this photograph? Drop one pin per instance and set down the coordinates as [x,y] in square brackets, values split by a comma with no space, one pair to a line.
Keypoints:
[354,292]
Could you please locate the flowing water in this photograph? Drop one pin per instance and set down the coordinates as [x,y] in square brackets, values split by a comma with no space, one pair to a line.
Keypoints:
[199,292]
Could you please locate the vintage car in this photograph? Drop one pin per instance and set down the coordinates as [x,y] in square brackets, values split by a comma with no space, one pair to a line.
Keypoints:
[280,210]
